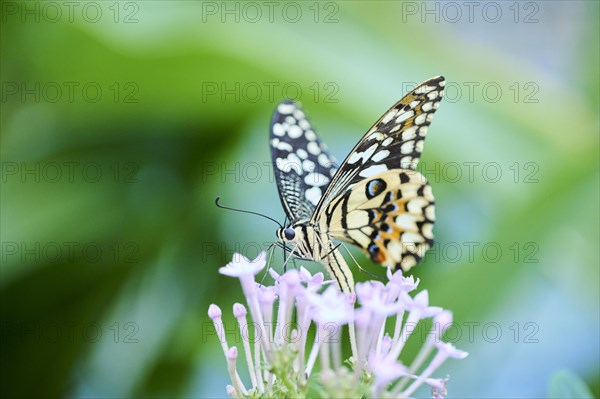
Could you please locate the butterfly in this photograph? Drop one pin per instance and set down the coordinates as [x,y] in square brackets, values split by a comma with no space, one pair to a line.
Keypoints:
[375,199]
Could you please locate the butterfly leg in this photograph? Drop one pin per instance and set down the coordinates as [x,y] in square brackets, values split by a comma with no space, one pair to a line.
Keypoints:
[291,257]
[294,263]
[270,251]
[284,248]
[358,265]
[329,253]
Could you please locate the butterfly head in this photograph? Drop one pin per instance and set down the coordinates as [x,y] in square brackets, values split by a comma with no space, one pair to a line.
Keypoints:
[290,233]
[286,234]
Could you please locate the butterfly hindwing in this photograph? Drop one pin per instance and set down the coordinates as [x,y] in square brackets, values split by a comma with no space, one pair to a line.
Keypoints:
[389,215]
[303,167]
[394,141]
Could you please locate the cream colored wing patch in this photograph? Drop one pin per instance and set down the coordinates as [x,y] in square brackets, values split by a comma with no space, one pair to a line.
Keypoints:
[389,215]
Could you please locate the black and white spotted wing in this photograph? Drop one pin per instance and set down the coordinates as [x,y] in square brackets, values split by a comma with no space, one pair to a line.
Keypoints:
[395,141]
[303,166]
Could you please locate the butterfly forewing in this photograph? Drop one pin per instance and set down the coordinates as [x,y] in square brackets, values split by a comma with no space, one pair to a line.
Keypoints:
[303,167]
[394,141]
[389,215]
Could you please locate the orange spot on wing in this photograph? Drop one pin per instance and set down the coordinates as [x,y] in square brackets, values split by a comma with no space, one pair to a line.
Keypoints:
[380,256]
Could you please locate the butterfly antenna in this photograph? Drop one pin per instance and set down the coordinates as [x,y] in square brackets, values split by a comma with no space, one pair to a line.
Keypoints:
[245,211]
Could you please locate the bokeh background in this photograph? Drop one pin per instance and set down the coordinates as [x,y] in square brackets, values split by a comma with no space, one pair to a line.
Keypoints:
[122,121]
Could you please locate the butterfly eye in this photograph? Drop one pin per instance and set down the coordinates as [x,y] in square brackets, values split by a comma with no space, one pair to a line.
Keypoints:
[289,233]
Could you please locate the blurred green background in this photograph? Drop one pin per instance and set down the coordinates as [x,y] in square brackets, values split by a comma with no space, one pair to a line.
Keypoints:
[122,121]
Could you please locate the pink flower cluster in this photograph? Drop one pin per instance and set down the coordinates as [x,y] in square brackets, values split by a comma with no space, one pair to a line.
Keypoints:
[281,359]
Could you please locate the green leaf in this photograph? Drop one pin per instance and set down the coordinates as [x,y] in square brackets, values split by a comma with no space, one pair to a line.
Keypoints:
[566,384]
